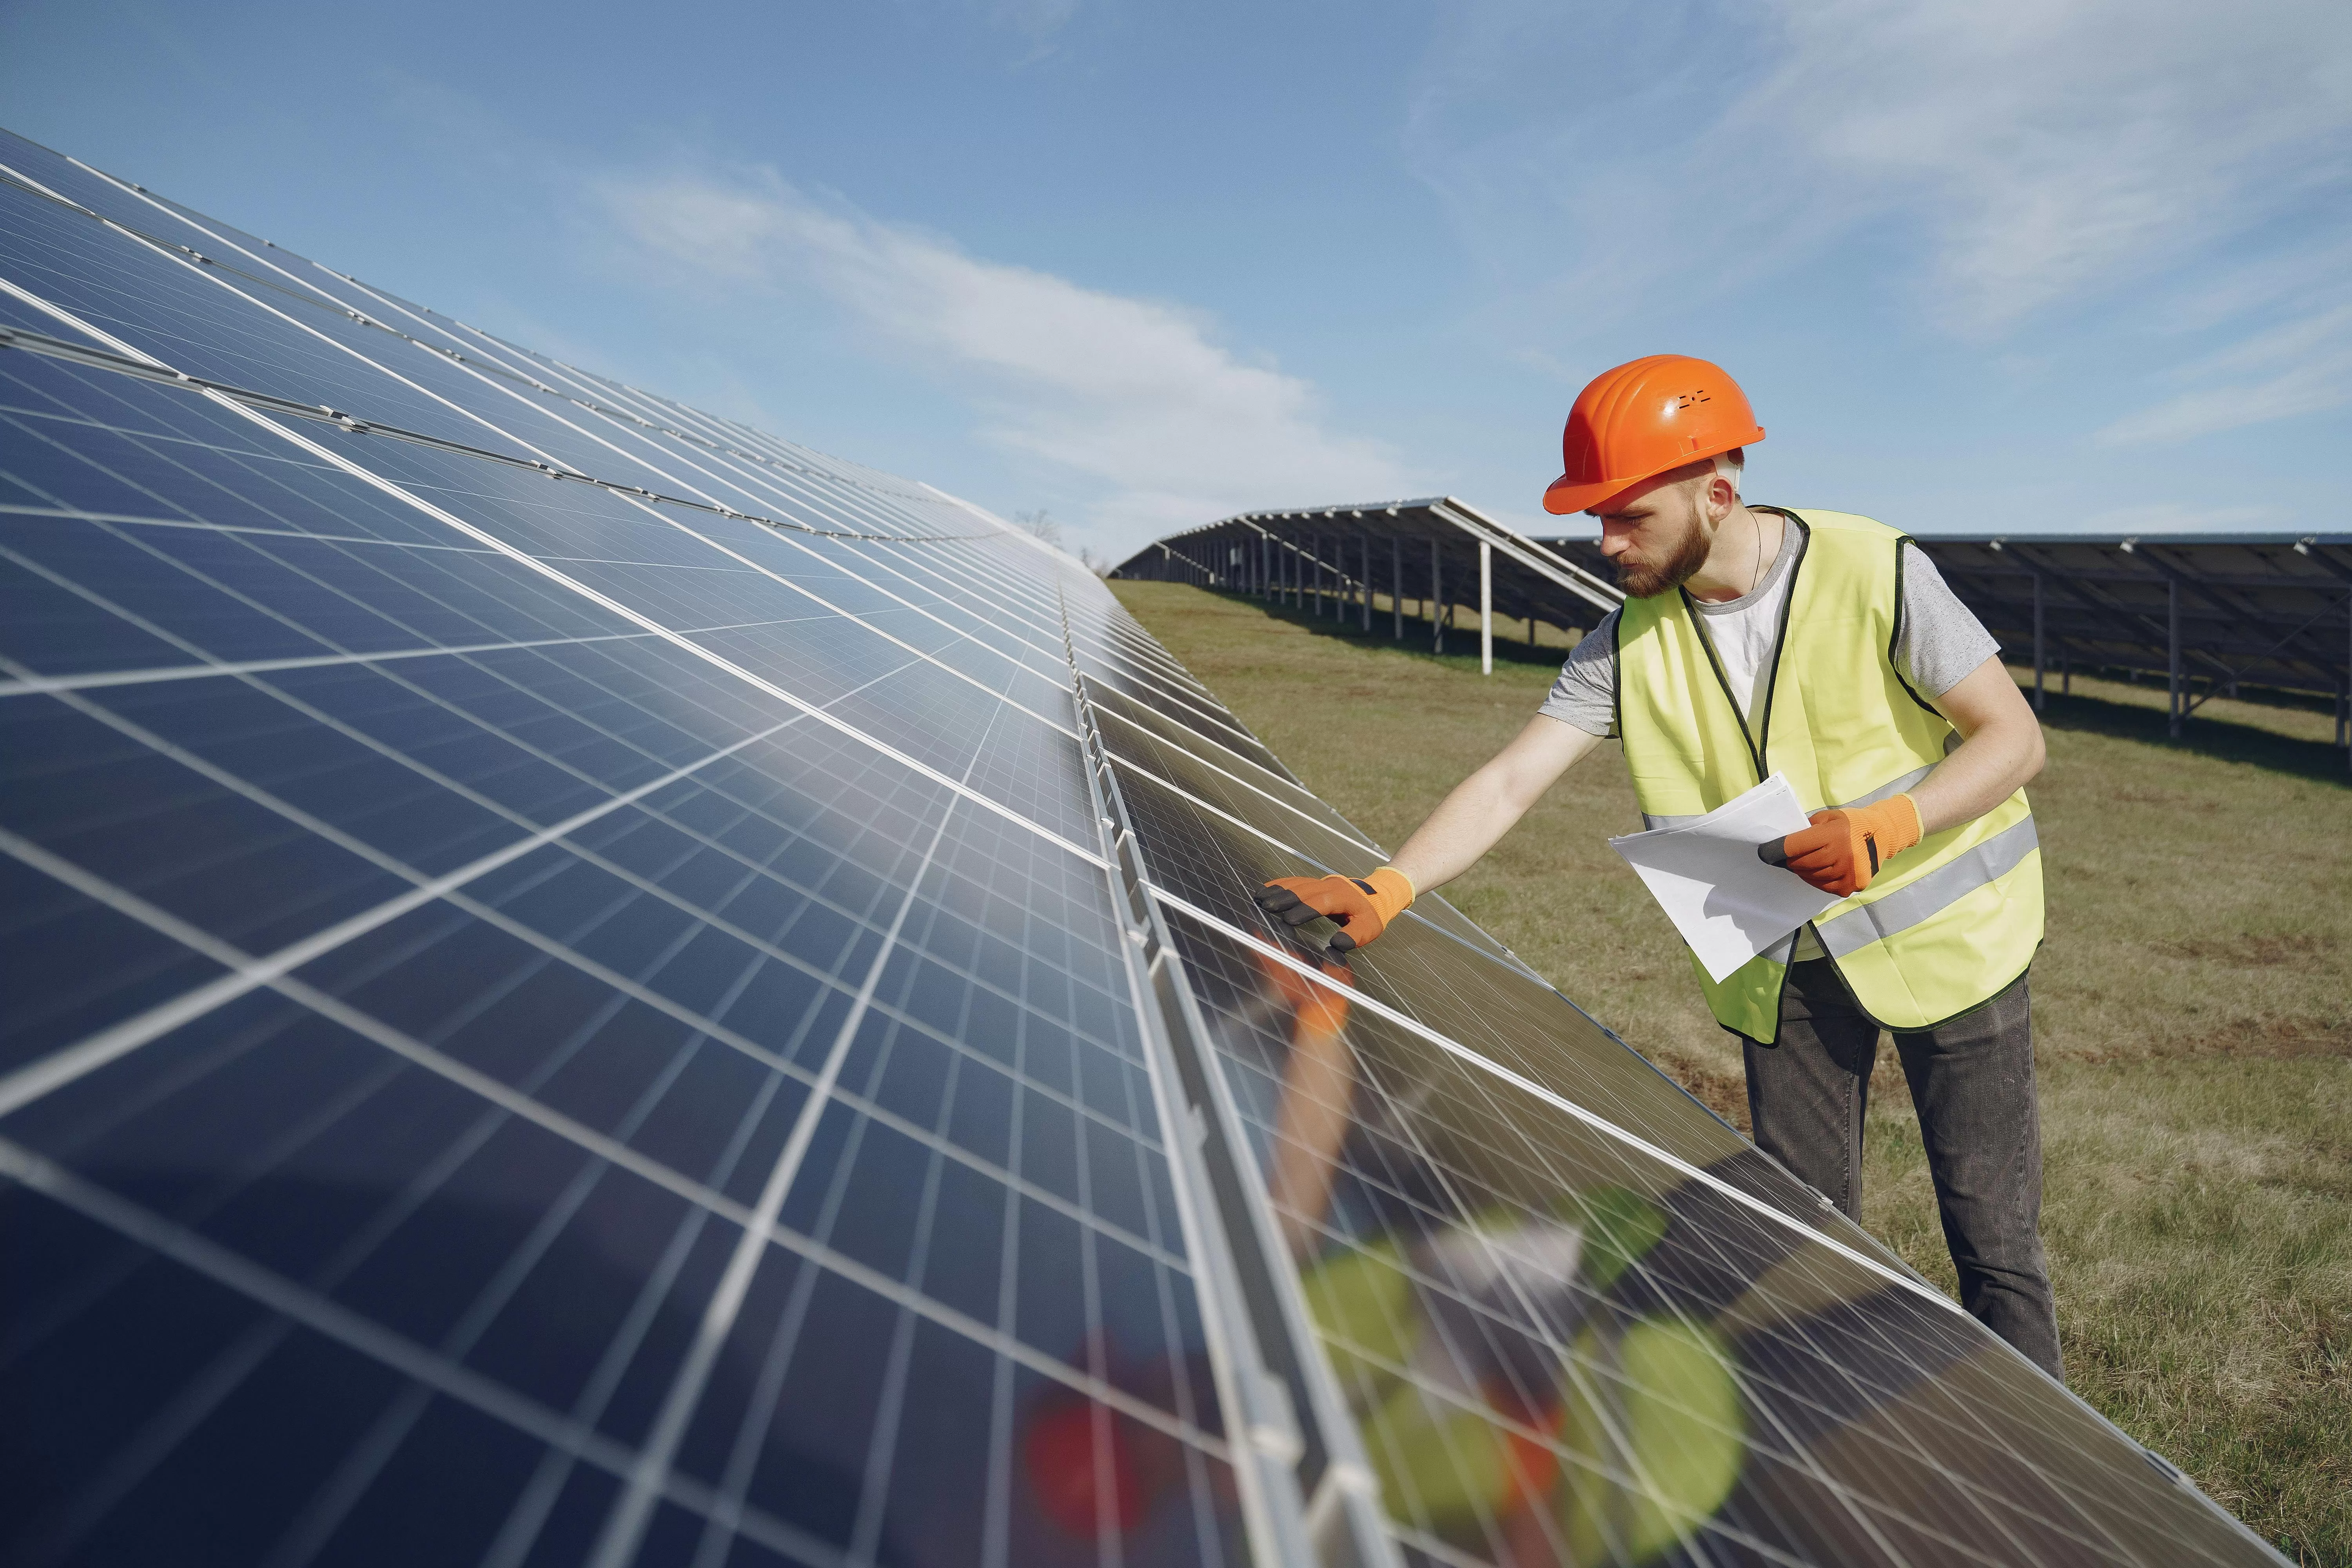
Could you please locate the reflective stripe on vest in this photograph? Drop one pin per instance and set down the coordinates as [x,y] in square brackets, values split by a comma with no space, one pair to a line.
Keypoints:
[1945,926]
[1939,888]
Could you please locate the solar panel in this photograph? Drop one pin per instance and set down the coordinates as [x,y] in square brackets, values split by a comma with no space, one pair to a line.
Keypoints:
[2201,613]
[1435,551]
[591,986]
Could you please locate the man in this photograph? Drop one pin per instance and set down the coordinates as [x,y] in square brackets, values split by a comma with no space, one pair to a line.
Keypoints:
[1825,646]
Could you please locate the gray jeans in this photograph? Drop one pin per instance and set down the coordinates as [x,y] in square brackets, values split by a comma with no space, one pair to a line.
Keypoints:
[1972,1082]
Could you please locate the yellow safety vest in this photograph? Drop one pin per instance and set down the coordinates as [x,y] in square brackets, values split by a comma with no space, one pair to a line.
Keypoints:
[1949,923]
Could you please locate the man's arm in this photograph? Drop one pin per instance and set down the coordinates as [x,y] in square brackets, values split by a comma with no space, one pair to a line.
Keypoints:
[1466,824]
[1490,802]
[2001,749]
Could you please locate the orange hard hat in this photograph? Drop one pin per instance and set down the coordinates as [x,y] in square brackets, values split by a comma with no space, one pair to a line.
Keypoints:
[1643,419]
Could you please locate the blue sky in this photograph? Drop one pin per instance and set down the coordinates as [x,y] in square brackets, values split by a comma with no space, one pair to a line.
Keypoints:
[2012,265]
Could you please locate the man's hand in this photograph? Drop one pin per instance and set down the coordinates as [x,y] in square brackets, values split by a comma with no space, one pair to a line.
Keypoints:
[1843,850]
[1364,906]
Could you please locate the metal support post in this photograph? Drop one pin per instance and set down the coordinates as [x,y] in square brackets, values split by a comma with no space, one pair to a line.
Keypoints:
[2172,637]
[1396,585]
[1315,545]
[1368,584]
[2066,674]
[2038,699]
[1486,608]
[1436,598]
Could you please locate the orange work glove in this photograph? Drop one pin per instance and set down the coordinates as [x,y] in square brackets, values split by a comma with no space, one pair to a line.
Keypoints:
[1843,850]
[1363,905]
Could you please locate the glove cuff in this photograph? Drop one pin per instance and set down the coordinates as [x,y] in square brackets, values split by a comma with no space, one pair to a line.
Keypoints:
[1897,823]
[1392,892]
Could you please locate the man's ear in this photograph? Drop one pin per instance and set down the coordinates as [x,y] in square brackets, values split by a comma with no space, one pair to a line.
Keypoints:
[1722,498]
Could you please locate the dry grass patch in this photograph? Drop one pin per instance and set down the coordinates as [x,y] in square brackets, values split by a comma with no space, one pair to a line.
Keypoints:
[2194,1008]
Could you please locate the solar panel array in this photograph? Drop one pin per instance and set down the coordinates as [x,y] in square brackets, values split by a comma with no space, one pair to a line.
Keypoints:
[1436,551]
[589,986]
[2210,610]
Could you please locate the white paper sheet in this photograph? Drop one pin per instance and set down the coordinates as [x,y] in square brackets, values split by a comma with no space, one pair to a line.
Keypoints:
[1729,905]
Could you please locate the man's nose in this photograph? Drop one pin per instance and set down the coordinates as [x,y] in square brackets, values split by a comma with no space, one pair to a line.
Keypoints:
[1614,544]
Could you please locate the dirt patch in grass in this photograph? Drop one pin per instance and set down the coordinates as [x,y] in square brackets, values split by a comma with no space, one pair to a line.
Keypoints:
[2278,1038]
[2304,949]
[2193,1015]
[1724,1093]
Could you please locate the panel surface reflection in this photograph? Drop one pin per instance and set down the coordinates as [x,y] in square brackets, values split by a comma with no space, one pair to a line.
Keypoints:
[1562,1350]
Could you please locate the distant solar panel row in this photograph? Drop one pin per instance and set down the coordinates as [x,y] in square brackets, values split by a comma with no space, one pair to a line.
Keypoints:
[1438,550]
[549,1023]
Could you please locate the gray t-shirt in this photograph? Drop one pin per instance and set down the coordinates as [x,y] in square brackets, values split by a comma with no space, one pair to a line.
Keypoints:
[1939,644]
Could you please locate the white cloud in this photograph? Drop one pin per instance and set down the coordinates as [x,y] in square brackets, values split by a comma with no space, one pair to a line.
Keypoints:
[1134,394]
[2037,151]
[2302,367]
[2056,149]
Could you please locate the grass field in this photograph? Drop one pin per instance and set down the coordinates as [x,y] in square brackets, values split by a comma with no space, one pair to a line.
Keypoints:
[2193,1010]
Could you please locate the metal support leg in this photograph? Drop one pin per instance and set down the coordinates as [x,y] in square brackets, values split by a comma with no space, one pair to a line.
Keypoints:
[2038,699]
[1315,544]
[2066,675]
[2172,637]
[1436,598]
[1368,584]
[1396,586]
[1486,608]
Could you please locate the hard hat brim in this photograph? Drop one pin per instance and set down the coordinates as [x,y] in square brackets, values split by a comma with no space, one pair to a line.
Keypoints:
[1565,495]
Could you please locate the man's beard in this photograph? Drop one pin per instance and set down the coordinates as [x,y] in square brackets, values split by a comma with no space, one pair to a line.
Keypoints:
[1648,581]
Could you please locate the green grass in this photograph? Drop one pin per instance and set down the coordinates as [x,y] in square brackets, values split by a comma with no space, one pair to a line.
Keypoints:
[2193,1010]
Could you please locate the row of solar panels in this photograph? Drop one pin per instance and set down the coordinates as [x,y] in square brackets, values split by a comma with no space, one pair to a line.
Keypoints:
[589,986]
[1437,561]
[2204,615]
